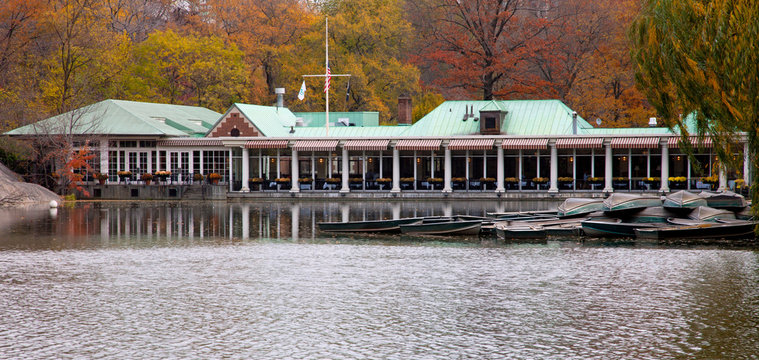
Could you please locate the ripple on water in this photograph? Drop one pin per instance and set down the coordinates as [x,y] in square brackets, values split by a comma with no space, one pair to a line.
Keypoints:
[274,300]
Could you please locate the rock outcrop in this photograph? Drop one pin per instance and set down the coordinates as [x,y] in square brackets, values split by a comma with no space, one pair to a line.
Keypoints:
[14,191]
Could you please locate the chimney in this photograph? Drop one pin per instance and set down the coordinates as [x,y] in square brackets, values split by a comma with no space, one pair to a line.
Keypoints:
[280,97]
[404,110]
[574,122]
[652,122]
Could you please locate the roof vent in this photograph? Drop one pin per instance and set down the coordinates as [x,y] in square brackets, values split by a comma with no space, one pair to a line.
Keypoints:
[652,122]
[299,122]
[343,122]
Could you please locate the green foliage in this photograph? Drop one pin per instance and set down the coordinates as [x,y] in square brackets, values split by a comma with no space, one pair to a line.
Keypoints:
[424,103]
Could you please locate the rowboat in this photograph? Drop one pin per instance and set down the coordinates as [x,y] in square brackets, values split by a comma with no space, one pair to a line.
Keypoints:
[377,226]
[724,200]
[612,227]
[456,227]
[520,232]
[580,206]
[733,230]
[683,201]
[618,203]
[705,213]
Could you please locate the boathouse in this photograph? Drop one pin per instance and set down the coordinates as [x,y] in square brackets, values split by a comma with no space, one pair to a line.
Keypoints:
[481,148]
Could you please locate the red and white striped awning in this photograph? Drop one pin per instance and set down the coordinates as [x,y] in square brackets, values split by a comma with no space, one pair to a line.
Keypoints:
[418,144]
[471,144]
[366,145]
[635,143]
[266,144]
[315,145]
[580,143]
[189,142]
[674,142]
[524,144]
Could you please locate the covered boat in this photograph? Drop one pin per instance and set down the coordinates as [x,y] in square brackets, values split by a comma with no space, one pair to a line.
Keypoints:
[611,227]
[683,201]
[705,213]
[724,200]
[457,227]
[732,230]
[378,226]
[624,202]
[580,206]
[654,214]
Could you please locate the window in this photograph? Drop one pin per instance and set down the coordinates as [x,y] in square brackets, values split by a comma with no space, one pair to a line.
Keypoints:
[235,132]
[489,122]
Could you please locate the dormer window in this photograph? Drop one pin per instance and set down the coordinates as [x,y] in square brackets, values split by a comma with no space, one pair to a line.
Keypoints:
[490,123]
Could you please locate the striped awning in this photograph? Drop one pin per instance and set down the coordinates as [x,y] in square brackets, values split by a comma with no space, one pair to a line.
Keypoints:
[189,142]
[418,144]
[266,144]
[366,145]
[635,143]
[580,143]
[315,145]
[524,144]
[674,142]
[471,144]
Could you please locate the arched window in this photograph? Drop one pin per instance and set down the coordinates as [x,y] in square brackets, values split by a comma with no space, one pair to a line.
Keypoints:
[235,132]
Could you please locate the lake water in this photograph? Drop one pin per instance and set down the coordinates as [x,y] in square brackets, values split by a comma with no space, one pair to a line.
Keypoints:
[120,280]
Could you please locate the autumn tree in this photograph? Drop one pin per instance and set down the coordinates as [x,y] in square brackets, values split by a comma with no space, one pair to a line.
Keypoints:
[478,46]
[700,57]
[197,70]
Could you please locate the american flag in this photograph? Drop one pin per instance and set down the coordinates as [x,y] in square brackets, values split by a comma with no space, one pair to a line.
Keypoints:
[326,80]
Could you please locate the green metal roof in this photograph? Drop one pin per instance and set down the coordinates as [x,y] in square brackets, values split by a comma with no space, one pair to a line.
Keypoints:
[270,120]
[121,117]
[359,118]
[524,117]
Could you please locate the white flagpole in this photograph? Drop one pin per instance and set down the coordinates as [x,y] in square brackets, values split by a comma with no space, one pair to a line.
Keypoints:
[326,66]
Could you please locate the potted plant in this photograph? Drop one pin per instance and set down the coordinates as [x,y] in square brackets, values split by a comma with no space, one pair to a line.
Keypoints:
[101,178]
[565,180]
[651,180]
[162,175]
[147,178]
[540,180]
[677,181]
[384,180]
[255,183]
[434,182]
[596,180]
[407,180]
[356,180]
[282,181]
[197,177]
[332,181]
[487,180]
[711,180]
[214,178]
[124,174]
[305,180]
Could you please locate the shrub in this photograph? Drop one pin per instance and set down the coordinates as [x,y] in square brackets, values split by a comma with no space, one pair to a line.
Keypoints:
[256,180]
[565,179]
[146,176]
[459,179]
[101,176]
[384,180]
[511,180]
[407,180]
[487,180]
[540,180]
[332,181]
[434,180]
[196,177]
[214,176]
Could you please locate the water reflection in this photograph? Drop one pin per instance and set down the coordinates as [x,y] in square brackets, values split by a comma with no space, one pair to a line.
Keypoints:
[111,223]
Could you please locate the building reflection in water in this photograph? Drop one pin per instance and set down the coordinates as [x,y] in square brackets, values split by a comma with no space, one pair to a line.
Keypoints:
[115,221]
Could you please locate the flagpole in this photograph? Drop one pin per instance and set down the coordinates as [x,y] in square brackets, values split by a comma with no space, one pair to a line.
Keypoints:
[326,66]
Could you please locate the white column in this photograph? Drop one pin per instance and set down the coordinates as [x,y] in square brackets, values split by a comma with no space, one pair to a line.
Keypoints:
[295,187]
[664,167]
[519,179]
[363,170]
[722,178]
[231,166]
[260,166]
[245,170]
[467,170]
[396,171]
[414,163]
[607,170]
[381,173]
[346,170]
[432,164]
[554,173]
[104,156]
[746,166]
[329,164]
[279,163]
[447,171]
[499,171]
[484,163]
